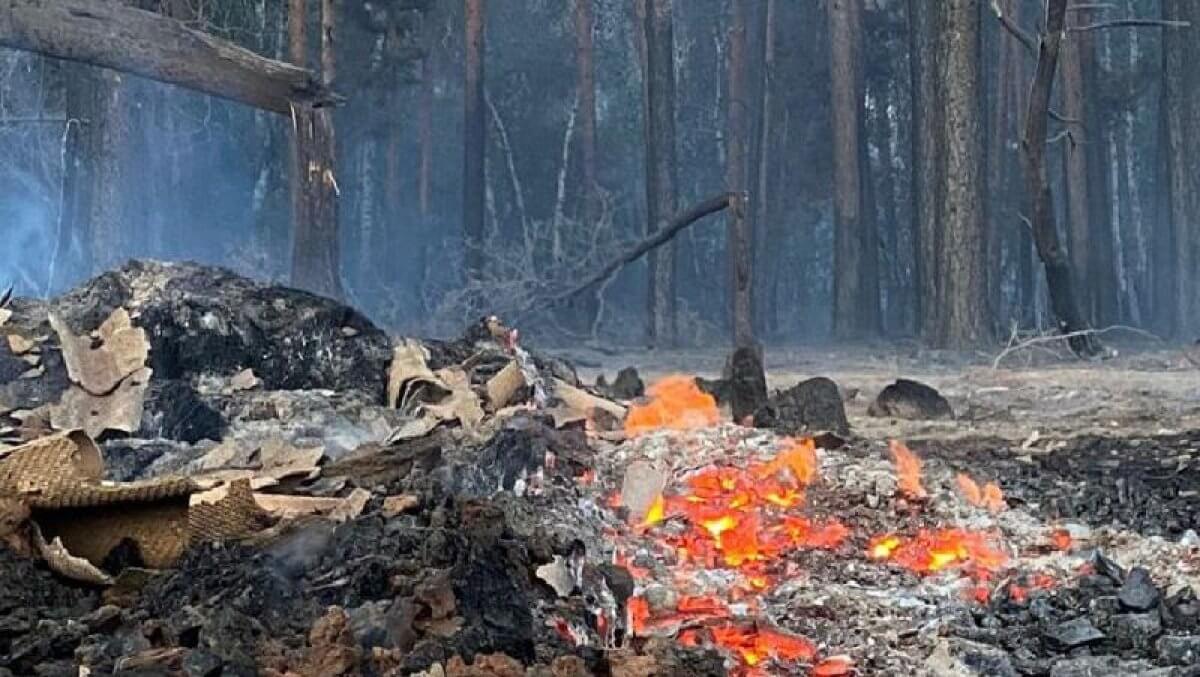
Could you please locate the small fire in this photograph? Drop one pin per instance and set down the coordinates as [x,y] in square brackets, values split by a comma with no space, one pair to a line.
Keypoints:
[989,496]
[1060,539]
[933,551]
[908,470]
[656,513]
[834,666]
[676,403]
[800,458]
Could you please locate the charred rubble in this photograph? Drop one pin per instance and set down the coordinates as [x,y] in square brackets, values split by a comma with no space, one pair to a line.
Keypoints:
[260,482]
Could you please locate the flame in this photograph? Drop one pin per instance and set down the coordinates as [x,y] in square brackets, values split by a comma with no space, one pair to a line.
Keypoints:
[800,458]
[755,645]
[702,605]
[656,512]
[933,551]
[676,403]
[989,497]
[908,470]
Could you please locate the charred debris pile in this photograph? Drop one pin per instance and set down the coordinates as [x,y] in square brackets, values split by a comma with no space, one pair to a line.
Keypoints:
[201,475]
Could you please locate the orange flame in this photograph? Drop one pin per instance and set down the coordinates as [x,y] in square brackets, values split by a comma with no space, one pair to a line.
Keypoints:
[908,470]
[755,645]
[656,512]
[800,458]
[989,497]
[676,403]
[932,551]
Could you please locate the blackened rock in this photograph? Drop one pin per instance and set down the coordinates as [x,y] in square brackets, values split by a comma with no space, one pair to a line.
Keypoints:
[1102,610]
[31,393]
[205,320]
[747,382]
[129,459]
[1107,567]
[628,385]
[983,659]
[174,411]
[1135,632]
[809,406]
[1073,633]
[619,581]
[1106,666]
[200,663]
[1178,650]
[1139,593]
[910,400]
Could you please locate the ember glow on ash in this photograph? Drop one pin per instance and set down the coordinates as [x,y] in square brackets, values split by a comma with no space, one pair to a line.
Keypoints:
[933,551]
[908,470]
[675,403]
[989,497]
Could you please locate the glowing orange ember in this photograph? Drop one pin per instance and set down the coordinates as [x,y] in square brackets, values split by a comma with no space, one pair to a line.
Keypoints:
[989,496]
[676,403]
[1060,539]
[656,513]
[932,551]
[908,470]
[755,645]
[800,458]
[834,666]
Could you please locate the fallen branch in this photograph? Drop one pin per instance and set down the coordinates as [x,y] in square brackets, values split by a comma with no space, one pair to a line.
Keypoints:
[655,240]
[1022,36]
[1129,23]
[1054,338]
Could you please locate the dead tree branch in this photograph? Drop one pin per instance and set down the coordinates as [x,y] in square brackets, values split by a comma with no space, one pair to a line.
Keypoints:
[1016,346]
[113,35]
[1024,37]
[659,238]
[1129,23]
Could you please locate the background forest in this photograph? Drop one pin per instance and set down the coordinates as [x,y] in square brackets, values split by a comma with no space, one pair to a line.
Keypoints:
[877,143]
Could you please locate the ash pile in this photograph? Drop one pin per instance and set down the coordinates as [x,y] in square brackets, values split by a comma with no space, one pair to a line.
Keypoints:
[201,475]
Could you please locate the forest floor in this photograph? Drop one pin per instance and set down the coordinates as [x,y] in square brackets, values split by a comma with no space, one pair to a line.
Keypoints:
[1030,397]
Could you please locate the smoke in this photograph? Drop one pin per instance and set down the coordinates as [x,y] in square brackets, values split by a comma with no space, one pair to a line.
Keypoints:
[29,225]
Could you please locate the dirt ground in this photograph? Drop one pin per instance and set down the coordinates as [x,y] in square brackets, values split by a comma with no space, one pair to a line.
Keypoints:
[1035,396]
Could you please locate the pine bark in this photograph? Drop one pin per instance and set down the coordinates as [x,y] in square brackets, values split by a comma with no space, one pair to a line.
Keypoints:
[963,273]
[474,141]
[855,302]
[766,232]
[739,235]
[586,83]
[1181,102]
[660,164]
[927,170]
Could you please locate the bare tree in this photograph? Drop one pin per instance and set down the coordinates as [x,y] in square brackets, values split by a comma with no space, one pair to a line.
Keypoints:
[1181,108]
[586,88]
[740,236]
[660,165]
[474,140]
[855,287]
[927,170]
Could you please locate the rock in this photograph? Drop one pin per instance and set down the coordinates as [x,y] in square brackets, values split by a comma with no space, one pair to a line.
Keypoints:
[953,657]
[642,486]
[1138,592]
[1105,666]
[205,320]
[627,386]
[200,663]
[1073,633]
[173,410]
[1135,631]
[1107,568]
[332,650]
[810,406]
[1178,650]
[747,382]
[910,400]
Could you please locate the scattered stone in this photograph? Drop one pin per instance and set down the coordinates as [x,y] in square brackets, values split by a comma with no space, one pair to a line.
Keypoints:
[398,505]
[810,406]
[1139,593]
[1107,567]
[910,400]
[747,382]
[1135,632]
[627,386]
[1177,650]
[1073,633]
[1106,666]
[642,486]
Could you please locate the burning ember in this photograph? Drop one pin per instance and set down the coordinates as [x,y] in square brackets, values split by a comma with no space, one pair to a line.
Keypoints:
[989,496]
[908,470]
[676,403]
[933,551]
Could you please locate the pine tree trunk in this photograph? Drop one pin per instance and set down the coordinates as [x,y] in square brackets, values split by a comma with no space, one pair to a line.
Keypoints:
[1075,163]
[474,141]
[108,194]
[1181,100]
[80,85]
[927,172]
[586,83]
[660,164]
[767,236]
[739,236]
[854,315]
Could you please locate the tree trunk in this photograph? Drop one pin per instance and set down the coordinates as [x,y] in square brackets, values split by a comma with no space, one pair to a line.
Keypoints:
[81,83]
[927,171]
[739,236]
[109,189]
[764,232]
[1059,278]
[963,273]
[474,141]
[660,164]
[854,314]
[1000,220]
[1181,100]
[425,138]
[1100,246]
[586,83]
[316,251]
[154,46]
[1075,163]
